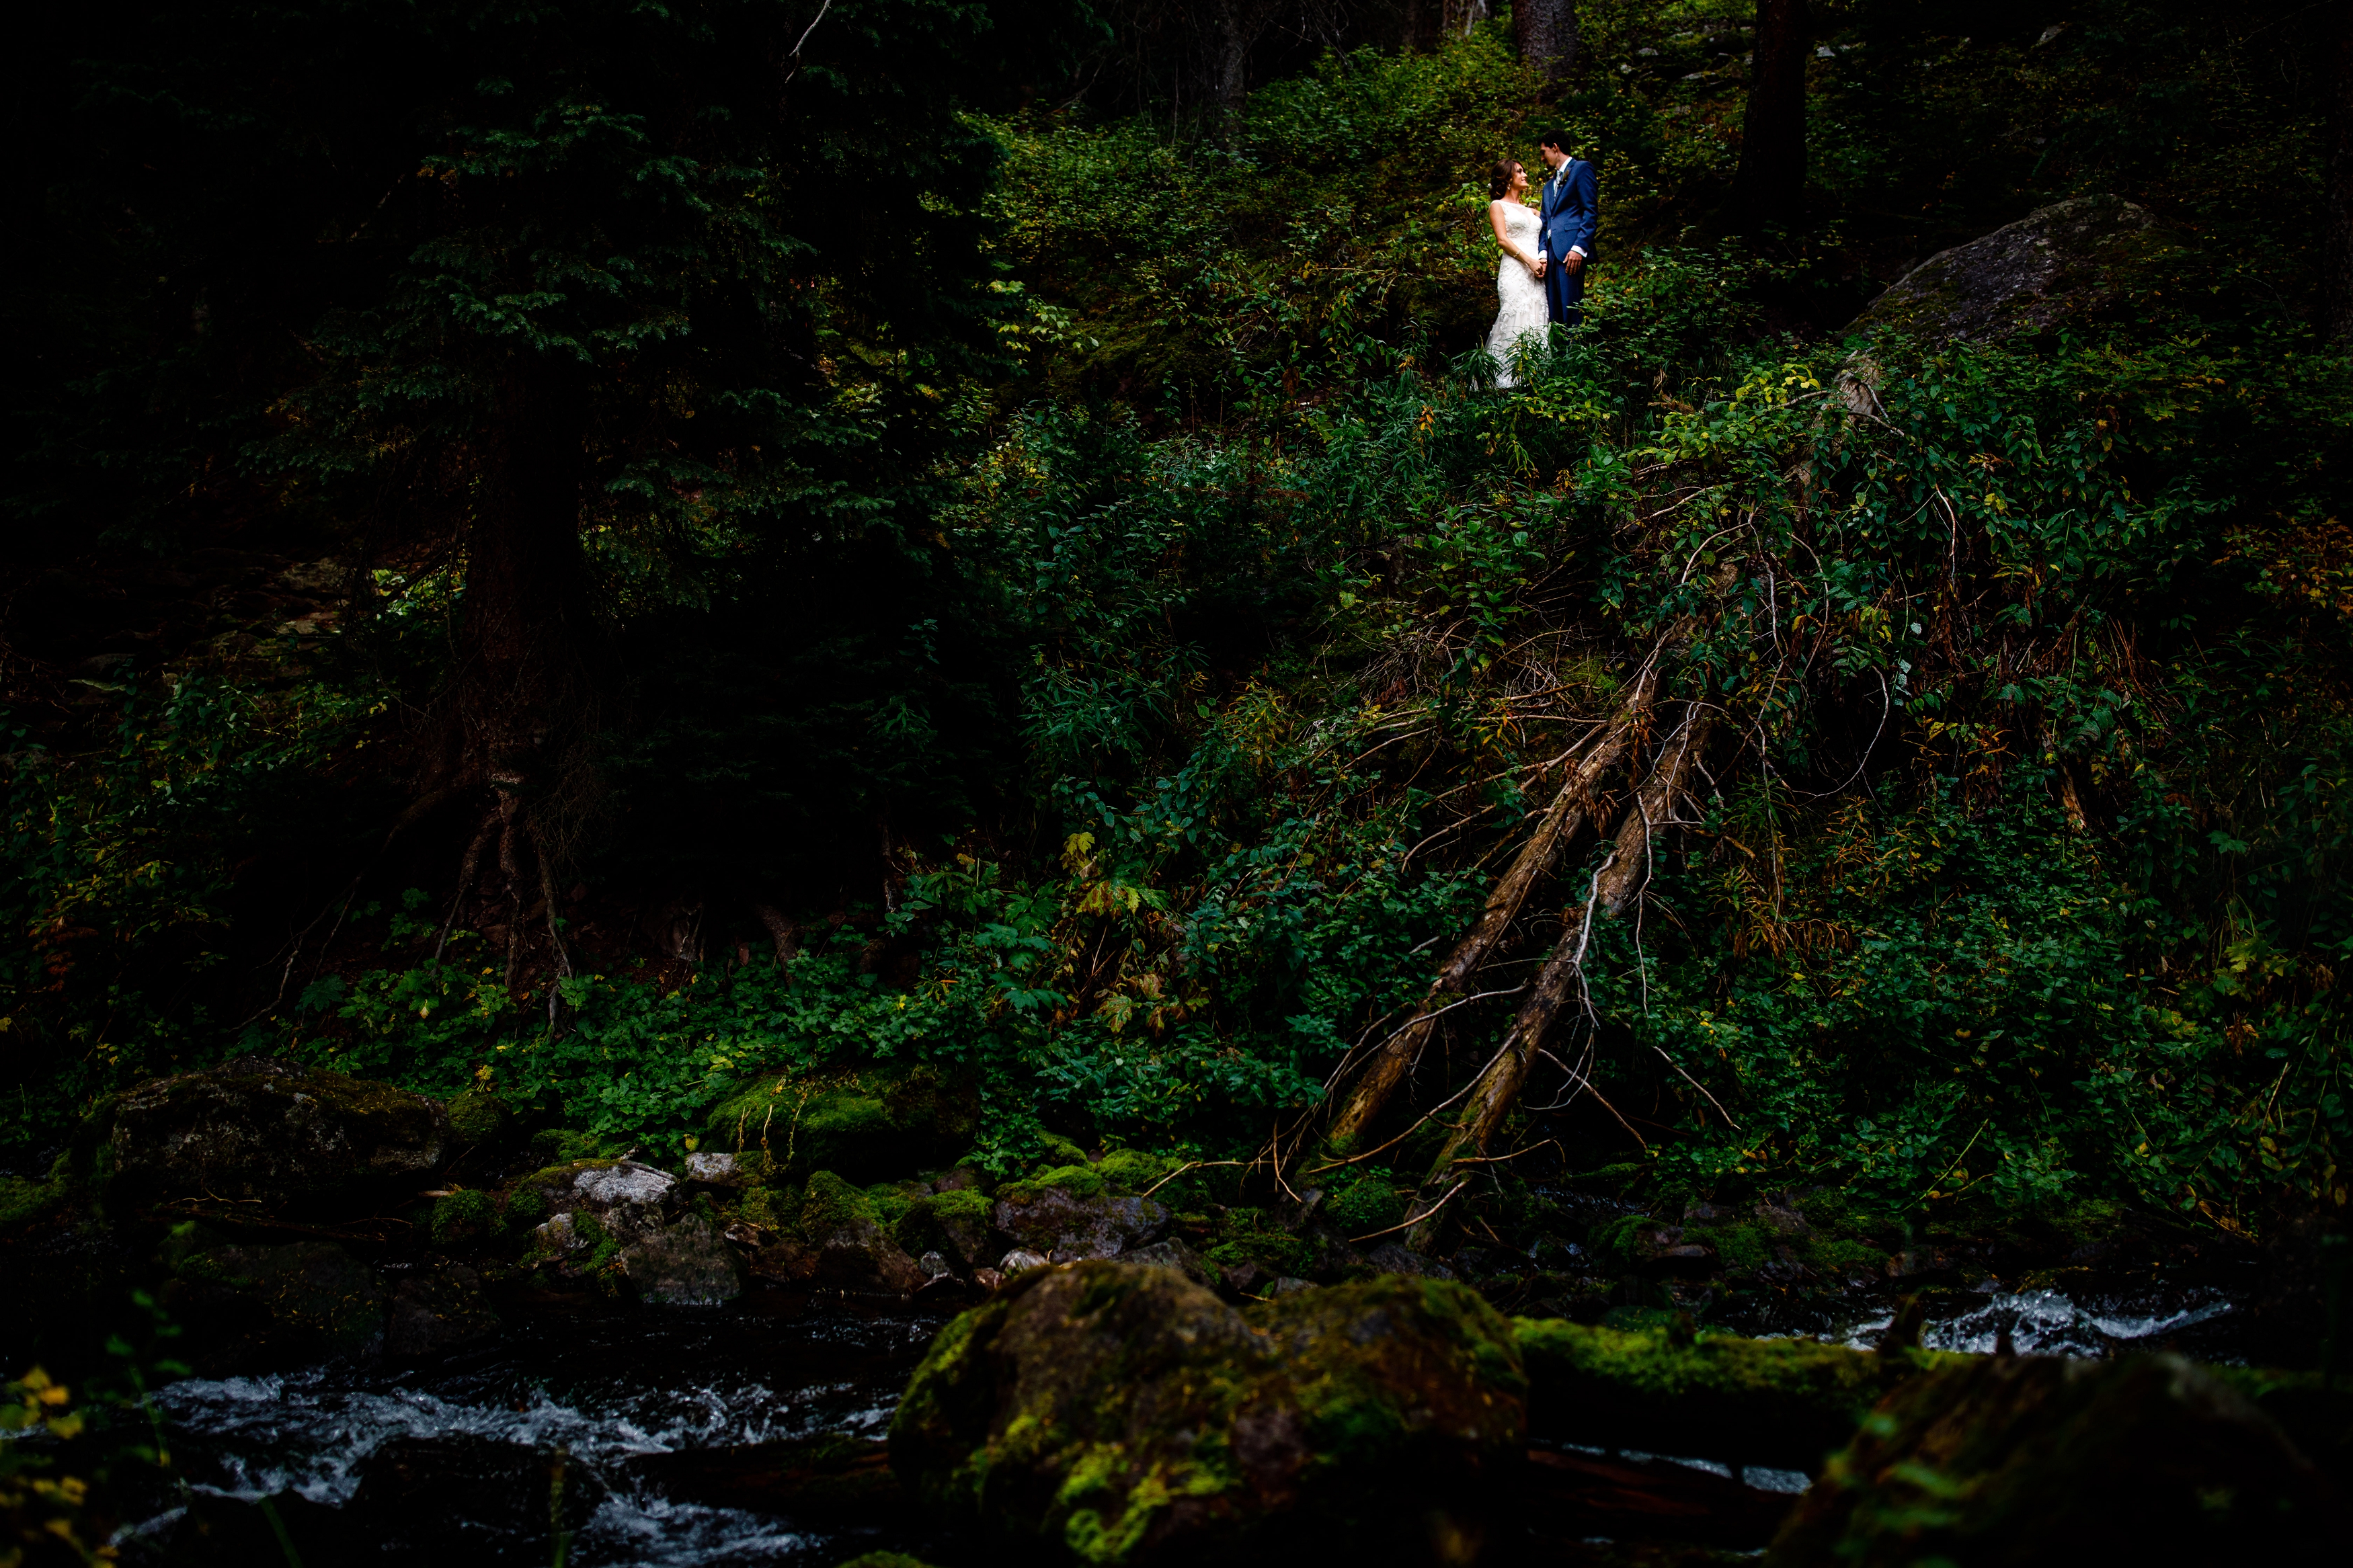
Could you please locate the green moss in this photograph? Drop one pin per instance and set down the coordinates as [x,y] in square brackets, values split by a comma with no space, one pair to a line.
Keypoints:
[465,1217]
[480,1116]
[829,1203]
[919,1231]
[1362,1201]
[526,1208]
[889,1201]
[1080,1180]
[1768,1402]
[865,1125]
[759,1206]
[1744,1247]
[24,1197]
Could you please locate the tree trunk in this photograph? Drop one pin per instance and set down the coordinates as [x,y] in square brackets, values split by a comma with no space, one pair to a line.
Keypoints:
[1569,811]
[525,627]
[1771,185]
[1235,27]
[2336,207]
[1620,879]
[1548,38]
[1425,24]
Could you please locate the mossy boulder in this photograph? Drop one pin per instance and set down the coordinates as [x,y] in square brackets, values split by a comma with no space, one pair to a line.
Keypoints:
[480,1118]
[297,1138]
[1115,1414]
[954,1224]
[466,1216]
[865,1126]
[2073,258]
[2039,1460]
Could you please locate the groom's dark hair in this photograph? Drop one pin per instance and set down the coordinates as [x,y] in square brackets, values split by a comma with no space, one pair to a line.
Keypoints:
[1556,139]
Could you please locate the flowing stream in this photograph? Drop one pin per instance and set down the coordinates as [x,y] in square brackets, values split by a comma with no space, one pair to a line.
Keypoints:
[636,1400]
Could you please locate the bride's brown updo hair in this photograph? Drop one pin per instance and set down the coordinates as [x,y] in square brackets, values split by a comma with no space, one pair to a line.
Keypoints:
[1499,184]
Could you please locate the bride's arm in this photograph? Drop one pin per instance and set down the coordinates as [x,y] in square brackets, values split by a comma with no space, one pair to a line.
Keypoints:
[1503,238]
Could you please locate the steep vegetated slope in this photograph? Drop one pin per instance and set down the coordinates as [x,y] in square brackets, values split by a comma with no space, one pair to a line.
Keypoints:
[1754,756]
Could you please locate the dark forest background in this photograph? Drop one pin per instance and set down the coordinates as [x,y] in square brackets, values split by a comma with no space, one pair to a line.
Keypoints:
[600,551]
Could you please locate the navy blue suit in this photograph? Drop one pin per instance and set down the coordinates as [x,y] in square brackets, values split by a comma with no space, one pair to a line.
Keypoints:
[1570,213]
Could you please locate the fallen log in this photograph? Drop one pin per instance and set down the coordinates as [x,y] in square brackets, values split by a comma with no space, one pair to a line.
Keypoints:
[1618,881]
[1571,809]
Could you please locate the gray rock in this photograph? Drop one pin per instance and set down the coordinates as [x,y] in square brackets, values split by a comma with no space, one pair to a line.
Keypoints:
[434,1311]
[1391,1258]
[718,1170]
[2071,258]
[685,1263]
[1020,1260]
[1070,1228]
[295,1137]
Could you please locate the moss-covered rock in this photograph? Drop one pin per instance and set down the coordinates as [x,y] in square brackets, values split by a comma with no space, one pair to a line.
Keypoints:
[2072,258]
[1783,1402]
[955,1224]
[1120,1414]
[2042,1460]
[466,1216]
[865,1126]
[299,1139]
[480,1118]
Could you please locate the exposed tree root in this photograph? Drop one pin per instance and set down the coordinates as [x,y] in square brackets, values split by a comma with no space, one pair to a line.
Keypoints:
[1618,882]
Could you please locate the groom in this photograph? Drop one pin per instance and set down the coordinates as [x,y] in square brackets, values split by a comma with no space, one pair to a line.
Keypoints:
[1570,212]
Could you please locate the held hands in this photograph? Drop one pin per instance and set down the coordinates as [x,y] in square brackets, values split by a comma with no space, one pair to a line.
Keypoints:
[1537,267]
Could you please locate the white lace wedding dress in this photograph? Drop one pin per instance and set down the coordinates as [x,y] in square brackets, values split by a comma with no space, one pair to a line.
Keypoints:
[1524,312]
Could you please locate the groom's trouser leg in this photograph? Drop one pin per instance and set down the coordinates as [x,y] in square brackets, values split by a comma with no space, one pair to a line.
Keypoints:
[1565,295]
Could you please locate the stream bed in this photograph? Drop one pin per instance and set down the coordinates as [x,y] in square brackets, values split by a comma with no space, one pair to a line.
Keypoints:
[650,1429]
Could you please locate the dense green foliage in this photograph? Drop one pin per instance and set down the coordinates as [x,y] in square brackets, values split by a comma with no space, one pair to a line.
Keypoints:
[1153,573]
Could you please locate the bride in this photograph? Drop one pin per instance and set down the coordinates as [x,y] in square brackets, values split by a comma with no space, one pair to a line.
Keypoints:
[1520,279]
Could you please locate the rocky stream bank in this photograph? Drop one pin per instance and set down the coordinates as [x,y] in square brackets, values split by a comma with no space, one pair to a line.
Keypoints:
[424,1331]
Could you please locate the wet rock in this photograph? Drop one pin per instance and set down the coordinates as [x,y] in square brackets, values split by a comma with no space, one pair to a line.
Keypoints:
[469,1500]
[861,1258]
[987,1279]
[436,1310]
[1391,1258]
[1245,1278]
[1068,1227]
[785,1262]
[2072,258]
[255,1307]
[685,1263]
[1020,1260]
[2043,1461]
[299,1139]
[1119,1415]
